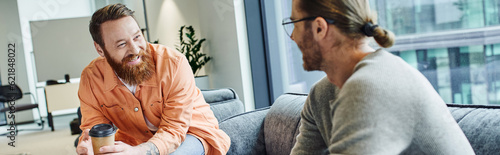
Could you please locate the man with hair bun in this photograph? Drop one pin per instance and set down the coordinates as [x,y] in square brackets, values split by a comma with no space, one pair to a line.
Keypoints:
[370,102]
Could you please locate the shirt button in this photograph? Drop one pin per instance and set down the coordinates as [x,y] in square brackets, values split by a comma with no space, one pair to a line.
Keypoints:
[136,109]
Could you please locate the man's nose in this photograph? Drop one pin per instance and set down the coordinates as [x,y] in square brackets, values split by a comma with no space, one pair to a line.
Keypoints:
[134,49]
[291,36]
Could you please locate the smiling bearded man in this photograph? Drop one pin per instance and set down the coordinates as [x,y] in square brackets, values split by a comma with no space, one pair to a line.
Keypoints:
[146,90]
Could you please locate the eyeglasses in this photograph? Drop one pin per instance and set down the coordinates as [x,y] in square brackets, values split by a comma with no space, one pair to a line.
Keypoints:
[288,23]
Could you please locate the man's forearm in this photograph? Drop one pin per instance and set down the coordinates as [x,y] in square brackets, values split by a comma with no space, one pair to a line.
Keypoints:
[149,148]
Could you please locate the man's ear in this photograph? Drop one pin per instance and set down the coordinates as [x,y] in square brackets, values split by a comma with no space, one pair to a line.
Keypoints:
[98,48]
[320,28]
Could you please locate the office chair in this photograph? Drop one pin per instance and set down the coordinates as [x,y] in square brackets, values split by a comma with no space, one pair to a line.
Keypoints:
[9,93]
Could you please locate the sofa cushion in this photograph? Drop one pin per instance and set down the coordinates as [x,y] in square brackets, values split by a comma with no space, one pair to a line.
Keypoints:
[246,132]
[224,102]
[281,125]
[481,125]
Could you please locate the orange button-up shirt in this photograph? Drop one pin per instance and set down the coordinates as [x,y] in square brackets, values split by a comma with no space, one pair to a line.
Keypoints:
[170,100]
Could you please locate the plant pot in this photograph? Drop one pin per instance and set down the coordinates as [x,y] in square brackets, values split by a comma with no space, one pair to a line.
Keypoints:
[202,82]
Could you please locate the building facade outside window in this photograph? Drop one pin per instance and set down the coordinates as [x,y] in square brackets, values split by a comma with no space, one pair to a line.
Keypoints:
[464,73]
[454,43]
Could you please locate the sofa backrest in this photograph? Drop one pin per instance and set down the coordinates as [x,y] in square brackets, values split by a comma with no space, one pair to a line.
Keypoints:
[224,102]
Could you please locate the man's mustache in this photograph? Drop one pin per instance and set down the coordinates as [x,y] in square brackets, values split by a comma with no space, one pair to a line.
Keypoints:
[133,56]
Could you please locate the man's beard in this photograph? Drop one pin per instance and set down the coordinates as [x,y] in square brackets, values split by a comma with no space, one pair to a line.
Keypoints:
[133,74]
[311,55]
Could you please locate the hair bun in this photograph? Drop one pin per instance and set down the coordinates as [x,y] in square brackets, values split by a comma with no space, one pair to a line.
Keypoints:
[384,37]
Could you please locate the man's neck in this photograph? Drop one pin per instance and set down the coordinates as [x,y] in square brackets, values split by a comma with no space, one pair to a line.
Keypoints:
[341,65]
[130,87]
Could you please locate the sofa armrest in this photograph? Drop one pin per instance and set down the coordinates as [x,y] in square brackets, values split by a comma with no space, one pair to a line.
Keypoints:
[223,102]
[246,131]
[281,126]
[480,124]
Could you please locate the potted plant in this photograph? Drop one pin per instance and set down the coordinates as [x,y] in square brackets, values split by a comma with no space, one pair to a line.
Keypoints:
[190,47]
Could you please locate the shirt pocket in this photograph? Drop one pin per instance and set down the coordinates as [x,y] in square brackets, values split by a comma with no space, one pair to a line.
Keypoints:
[114,112]
[156,107]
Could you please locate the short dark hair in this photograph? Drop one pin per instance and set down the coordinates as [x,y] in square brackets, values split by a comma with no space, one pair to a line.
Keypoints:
[107,13]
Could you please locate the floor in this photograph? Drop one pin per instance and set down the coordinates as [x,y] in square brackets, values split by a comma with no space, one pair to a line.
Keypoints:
[41,142]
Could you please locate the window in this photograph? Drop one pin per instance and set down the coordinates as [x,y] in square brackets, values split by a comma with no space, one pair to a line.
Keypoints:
[285,57]
[453,43]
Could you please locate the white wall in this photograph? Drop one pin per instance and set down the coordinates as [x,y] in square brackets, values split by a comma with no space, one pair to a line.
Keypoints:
[10,32]
[222,23]
[166,17]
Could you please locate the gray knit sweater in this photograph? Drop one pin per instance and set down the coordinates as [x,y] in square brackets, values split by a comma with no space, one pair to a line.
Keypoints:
[386,107]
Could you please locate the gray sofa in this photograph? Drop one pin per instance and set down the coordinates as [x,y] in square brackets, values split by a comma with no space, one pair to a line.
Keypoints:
[272,130]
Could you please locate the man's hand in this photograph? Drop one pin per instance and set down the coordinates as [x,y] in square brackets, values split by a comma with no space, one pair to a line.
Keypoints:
[123,148]
[119,148]
[85,146]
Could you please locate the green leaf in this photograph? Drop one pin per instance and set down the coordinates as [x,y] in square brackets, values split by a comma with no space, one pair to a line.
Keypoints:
[191,48]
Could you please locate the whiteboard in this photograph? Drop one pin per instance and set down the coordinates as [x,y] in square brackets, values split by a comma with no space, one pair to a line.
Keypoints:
[61,46]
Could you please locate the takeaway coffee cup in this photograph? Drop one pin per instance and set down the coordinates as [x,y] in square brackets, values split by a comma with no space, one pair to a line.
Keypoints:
[102,135]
